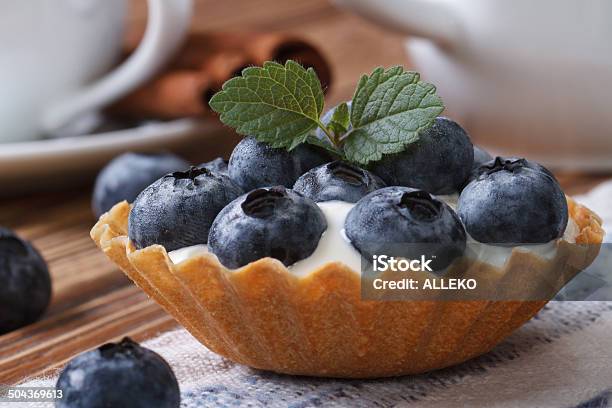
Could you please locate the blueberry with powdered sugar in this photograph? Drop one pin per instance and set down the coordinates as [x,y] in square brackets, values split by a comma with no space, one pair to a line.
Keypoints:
[256,164]
[267,222]
[218,165]
[513,201]
[338,181]
[178,209]
[408,223]
[439,162]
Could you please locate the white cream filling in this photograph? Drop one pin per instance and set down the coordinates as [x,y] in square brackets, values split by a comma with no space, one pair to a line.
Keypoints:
[179,255]
[334,246]
[498,255]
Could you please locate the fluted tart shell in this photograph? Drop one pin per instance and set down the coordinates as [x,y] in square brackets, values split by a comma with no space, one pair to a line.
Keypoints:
[263,316]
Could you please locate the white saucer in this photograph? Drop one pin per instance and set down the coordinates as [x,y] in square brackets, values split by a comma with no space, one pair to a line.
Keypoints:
[52,163]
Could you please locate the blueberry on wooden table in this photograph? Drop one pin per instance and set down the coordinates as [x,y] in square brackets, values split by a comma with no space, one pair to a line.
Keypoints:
[120,374]
[25,289]
[128,174]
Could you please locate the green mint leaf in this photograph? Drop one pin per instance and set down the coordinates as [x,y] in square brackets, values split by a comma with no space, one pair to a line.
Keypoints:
[389,110]
[297,141]
[277,104]
[340,120]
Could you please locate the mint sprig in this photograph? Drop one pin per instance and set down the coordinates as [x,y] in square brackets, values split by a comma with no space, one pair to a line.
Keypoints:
[389,110]
[276,104]
[282,105]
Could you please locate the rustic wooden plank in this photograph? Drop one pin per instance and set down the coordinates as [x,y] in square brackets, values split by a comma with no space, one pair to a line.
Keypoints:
[140,333]
[44,344]
[57,323]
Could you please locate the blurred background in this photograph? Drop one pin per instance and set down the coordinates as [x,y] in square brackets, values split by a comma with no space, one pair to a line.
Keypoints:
[84,81]
[342,47]
[96,79]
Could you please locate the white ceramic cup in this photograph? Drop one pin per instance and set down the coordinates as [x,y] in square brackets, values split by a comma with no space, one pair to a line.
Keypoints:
[524,77]
[55,56]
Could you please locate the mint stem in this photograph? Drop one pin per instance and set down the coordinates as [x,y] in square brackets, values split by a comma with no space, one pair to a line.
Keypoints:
[332,139]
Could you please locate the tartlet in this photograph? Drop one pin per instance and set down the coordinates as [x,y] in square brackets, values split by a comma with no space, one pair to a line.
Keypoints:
[263,316]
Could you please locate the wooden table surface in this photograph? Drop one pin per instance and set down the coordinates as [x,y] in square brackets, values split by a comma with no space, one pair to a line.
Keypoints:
[93,302]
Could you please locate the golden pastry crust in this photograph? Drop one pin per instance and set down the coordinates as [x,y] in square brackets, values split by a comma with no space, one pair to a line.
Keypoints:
[265,317]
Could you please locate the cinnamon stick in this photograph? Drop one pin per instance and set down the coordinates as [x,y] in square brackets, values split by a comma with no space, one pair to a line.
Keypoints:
[172,95]
[204,63]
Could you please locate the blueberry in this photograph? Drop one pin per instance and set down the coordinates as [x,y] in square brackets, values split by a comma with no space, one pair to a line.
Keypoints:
[128,174]
[513,201]
[218,165]
[481,157]
[486,167]
[25,290]
[268,222]
[255,164]
[120,374]
[177,210]
[405,222]
[439,162]
[337,181]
